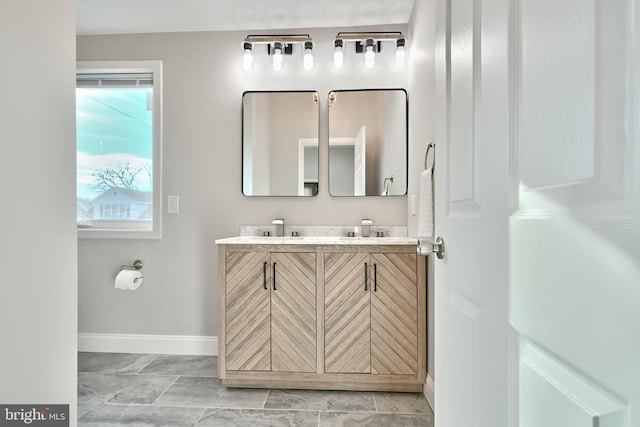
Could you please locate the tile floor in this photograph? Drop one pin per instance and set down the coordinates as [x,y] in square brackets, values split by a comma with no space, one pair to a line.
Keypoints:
[165,390]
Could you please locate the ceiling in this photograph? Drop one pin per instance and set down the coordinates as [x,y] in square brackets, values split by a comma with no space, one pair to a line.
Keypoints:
[153,16]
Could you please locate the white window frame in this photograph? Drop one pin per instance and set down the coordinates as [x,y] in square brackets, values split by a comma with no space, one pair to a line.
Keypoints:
[135,67]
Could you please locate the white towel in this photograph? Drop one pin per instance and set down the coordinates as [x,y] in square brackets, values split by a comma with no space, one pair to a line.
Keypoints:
[425,218]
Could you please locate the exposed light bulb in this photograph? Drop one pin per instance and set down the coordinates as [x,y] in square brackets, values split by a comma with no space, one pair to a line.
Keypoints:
[247,57]
[247,60]
[307,59]
[277,59]
[401,55]
[338,54]
[338,58]
[307,62]
[369,57]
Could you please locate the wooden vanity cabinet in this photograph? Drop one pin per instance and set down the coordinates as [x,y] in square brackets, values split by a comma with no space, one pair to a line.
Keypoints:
[371,313]
[270,311]
[335,317]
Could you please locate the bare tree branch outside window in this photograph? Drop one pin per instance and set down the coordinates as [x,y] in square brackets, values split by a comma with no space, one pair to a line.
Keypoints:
[121,175]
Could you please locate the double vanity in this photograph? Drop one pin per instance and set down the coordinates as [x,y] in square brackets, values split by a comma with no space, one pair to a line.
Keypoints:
[322,310]
[323,307]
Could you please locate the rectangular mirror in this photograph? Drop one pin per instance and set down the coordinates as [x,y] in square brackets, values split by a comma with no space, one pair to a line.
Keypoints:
[368,142]
[280,143]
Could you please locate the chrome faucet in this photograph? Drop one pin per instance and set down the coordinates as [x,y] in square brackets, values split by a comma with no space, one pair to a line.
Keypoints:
[279,223]
[366,227]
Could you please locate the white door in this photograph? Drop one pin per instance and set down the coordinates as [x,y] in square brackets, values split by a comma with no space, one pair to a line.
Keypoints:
[471,282]
[537,301]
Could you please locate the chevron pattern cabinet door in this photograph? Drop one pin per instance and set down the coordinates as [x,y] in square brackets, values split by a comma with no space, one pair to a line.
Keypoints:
[293,312]
[394,314]
[248,336]
[347,313]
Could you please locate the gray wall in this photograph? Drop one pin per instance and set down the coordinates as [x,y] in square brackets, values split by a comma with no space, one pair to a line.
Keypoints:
[341,173]
[422,125]
[203,86]
[38,258]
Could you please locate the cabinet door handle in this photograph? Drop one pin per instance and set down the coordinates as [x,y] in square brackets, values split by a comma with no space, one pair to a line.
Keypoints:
[375,277]
[366,275]
[264,275]
[274,276]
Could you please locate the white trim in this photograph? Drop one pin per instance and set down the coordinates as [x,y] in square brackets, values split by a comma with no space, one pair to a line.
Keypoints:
[514,377]
[151,344]
[429,392]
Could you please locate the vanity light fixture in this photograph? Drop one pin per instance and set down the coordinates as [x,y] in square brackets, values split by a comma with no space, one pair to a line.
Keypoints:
[369,54]
[276,56]
[247,58]
[338,54]
[401,54]
[368,44]
[307,60]
[278,46]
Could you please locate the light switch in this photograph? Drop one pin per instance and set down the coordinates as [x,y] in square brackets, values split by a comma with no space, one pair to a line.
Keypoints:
[412,204]
[173,204]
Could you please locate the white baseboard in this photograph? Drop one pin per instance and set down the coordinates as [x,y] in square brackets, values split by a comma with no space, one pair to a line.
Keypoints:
[151,344]
[429,392]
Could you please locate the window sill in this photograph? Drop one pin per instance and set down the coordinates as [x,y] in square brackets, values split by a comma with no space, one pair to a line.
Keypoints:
[88,232]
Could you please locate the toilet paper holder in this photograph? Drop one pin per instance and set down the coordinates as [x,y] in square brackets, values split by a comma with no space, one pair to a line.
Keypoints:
[135,265]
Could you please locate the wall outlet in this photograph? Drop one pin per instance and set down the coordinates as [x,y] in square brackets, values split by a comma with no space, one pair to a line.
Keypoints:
[173,204]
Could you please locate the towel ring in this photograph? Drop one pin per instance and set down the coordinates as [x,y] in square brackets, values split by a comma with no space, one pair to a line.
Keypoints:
[430,147]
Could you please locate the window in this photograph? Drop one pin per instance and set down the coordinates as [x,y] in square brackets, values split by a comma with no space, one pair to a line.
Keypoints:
[118,142]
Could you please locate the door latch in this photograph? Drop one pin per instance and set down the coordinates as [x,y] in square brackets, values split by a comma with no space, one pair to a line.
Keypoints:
[427,248]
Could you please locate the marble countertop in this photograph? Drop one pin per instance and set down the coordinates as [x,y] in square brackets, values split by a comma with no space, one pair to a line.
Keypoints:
[319,235]
[316,240]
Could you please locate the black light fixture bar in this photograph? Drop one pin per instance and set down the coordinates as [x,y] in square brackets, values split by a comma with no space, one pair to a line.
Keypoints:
[284,38]
[378,36]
